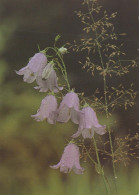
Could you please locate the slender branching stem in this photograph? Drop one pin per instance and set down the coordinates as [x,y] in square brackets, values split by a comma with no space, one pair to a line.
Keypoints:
[90,156]
[65,70]
[101,169]
[105,96]
[63,66]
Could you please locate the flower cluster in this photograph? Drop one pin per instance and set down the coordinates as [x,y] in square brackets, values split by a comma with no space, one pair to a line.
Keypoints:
[44,74]
[38,69]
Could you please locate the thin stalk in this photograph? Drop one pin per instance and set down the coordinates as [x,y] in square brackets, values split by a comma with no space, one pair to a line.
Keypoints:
[100,168]
[65,70]
[90,156]
[105,97]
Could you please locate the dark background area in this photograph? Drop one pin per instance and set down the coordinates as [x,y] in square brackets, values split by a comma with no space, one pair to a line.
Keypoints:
[38,22]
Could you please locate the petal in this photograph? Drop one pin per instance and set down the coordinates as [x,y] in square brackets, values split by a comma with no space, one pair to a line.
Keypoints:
[78,170]
[100,130]
[77,134]
[37,62]
[87,133]
[89,119]
[47,71]
[64,169]
[63,114]
[37,117]
[42,84]
[75,116]
[52,82]
[70,160]
[57,89]
[71,100]
[47,109]
[29,77]
[34,68]
[89,115]
[48,84]
[55,166]
[21,71]
[52,118]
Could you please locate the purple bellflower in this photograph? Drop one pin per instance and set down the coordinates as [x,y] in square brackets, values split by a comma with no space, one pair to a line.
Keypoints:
[69,108]
[48,80]
[47,110]
[88,124]
[70,160]
[34,68]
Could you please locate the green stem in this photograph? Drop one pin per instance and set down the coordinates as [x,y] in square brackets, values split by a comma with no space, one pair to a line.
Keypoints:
[105,97]
[100,168]
[65,70]
[90,156]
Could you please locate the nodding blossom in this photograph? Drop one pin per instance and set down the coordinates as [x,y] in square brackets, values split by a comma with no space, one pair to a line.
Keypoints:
[47,110]
[48,80]
[70,160]
[34,68]
[88,124]
[69,108]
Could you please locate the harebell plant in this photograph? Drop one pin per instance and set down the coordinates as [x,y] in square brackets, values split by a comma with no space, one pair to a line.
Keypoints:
[101,56]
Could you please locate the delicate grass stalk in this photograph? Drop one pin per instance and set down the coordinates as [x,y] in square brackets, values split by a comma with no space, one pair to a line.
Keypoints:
[90,156]
[100,168]
[105,96]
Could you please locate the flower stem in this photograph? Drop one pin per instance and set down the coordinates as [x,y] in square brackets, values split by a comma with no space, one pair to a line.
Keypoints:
[63,67]
[65,70]
[105,96]
[90,156]
[101,169]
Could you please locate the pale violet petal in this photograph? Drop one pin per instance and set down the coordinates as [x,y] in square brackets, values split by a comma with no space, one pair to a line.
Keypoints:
[70,160]
[63,114]
[47,110]
[64,169]
[37,63]
[79,170]
[71,100]
[87,133]
[55,166]
[100,130]
[75,116]
[77,134]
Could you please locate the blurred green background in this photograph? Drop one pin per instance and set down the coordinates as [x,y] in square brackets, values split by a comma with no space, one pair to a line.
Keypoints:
[27,148]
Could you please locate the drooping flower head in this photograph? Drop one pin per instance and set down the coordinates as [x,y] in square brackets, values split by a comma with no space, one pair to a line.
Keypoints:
[70,160]
[69,108]
[34,68]
[47,110]
[88,124]
[48,80]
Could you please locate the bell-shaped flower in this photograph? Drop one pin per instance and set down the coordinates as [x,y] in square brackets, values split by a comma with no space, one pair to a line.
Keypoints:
[47,110]
[69,108]
[70,160]
[88,124]
[48,80]
[34,68]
